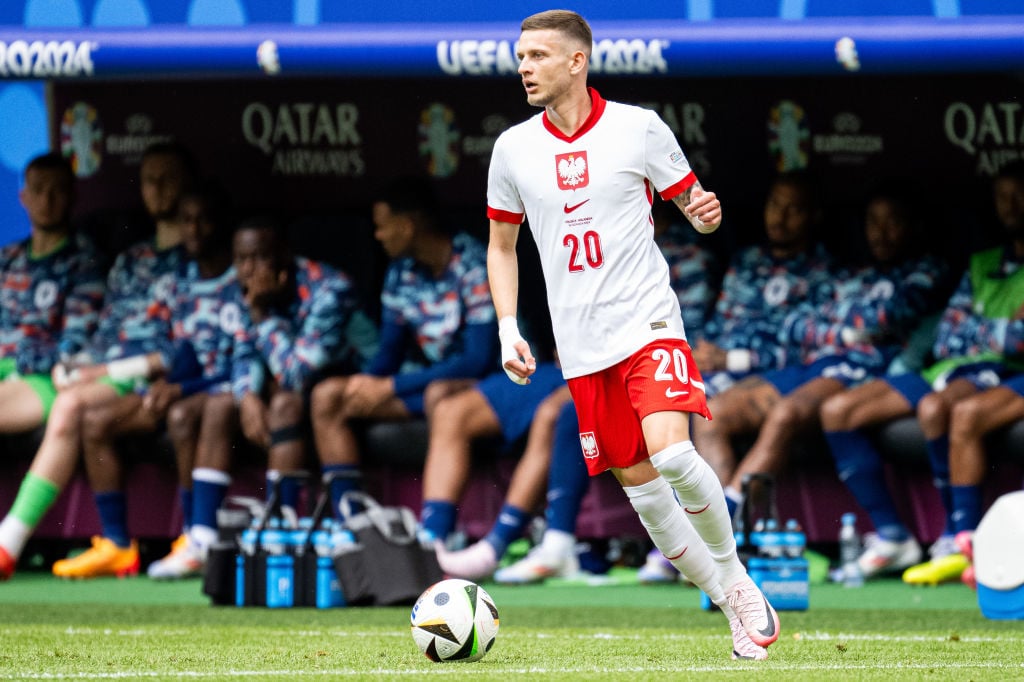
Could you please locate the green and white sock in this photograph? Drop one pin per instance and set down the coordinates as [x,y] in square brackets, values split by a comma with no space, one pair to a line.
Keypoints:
[35,497]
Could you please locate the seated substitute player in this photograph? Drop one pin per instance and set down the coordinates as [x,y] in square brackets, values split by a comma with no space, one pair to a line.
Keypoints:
[52,293]
[202,312]
[557,465]
[134,282]
[582,172]
[979,342]
[436,313]
[299,318]
[763,284]
[875,309]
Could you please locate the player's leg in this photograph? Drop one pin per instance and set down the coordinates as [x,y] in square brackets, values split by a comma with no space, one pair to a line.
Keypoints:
[517,404]
[286,415]
[738,410]
[844,418]
[791,417]
[934,414]
[51,468]
[115,553]
[973,419]
[456,421]
[21,406]
[567,483]
[218,424]
[183,421]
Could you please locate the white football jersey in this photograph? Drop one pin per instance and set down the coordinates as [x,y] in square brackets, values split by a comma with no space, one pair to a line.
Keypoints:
[587,199]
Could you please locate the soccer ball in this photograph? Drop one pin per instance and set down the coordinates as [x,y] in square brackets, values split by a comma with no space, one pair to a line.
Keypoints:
[454,620]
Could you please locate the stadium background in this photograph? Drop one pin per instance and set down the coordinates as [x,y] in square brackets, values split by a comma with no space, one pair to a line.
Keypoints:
[366,90]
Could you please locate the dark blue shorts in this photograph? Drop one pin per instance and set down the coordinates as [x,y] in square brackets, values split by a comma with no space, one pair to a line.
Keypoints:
[1016,384]
[514,404]
[836,367]
[983,375]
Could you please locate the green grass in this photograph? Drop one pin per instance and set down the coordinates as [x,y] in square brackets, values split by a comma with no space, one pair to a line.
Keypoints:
[137,629]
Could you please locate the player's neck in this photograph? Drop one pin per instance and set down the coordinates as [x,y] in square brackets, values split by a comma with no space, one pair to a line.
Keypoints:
[213,265]
[45,242]
[168,234]
[434,251]
[571,112]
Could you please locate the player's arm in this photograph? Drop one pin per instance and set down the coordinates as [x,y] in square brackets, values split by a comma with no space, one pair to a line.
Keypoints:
[701,208]
[503,275]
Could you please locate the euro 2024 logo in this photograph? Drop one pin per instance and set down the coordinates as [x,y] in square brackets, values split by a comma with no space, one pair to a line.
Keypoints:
[438,139]
[81,137]
[788,136]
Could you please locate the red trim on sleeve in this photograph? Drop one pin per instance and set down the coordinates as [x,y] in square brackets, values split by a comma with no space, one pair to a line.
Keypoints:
[505,216]
[597,105]
[675,190]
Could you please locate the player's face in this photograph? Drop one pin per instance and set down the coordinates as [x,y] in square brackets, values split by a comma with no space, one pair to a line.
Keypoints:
[393,231]
[1009,201]
[545,58]
[887,231]
[254,251]
[46,197]
[162,177]
[197,227]
[787,217]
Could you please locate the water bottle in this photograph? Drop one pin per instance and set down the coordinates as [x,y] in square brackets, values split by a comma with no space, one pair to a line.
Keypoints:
[849,551]
[280,566]
[771,540]
[795,541]
[328,589]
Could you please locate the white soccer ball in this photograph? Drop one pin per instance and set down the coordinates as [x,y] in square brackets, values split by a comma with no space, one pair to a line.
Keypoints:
[454,620]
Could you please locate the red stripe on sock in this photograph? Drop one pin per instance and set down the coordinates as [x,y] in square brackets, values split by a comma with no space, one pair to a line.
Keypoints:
[673,558]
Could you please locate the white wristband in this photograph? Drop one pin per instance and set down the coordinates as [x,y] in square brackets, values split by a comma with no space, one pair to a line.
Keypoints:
[738,360]
[509,336]
[135,367]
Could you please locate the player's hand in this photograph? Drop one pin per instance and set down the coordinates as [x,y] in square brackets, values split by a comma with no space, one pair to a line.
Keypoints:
[709,357]
[704,210]
[364,393]
[516,357]
[263,286]
[159,397]
[252,415]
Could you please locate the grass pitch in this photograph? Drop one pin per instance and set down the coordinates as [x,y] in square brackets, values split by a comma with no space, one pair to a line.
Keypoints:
[137,629]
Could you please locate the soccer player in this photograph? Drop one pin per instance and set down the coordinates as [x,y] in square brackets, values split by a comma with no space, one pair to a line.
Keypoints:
[763,284]
[202,314]
[582,172]
[552,454]
[300,317]
[873,312]
[52,291]
[978,343]
[437,317]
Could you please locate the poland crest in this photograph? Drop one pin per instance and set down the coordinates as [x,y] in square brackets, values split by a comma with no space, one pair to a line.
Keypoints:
[572,170]
[589,444]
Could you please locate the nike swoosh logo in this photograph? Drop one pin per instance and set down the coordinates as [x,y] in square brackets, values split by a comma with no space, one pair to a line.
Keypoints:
[569,209]
[769,629]
[677,556]
[669,393]
[702,509]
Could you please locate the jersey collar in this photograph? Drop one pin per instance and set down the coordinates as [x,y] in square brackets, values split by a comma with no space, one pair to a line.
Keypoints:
[597,104]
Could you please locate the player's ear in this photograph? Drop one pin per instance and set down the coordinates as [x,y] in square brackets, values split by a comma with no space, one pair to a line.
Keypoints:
[579,62]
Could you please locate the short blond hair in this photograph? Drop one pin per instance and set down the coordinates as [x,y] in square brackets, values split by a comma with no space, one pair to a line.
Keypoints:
[564,21]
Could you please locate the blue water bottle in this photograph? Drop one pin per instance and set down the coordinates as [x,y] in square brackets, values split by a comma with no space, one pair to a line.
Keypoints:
[280,566]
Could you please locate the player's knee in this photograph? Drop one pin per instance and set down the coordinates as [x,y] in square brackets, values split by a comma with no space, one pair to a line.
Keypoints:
[97,425]
[326,400]
[66,413]
[835,414]
[933,414]
[786,415]
[964,421]
[286,409]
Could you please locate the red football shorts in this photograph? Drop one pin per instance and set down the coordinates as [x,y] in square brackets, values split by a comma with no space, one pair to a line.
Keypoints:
[660,377]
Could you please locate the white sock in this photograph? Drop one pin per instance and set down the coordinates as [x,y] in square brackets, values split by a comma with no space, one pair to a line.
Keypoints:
[558,542]
[673,534]
[14,533]
[703,502]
